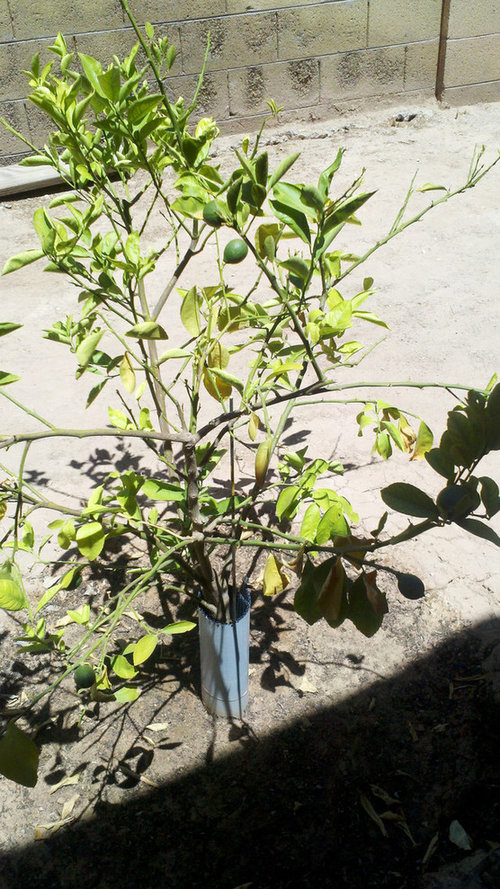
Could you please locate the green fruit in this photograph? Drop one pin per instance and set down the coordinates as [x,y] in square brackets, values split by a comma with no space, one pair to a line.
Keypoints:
[212,214]
[84,676]
[235,251]
[455,502]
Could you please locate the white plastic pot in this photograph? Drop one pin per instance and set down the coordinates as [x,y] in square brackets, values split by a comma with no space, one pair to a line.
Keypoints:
[224,657]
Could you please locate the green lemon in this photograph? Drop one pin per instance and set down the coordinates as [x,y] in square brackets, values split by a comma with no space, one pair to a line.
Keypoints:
[455,502]
[235,251]
[84,676]
[212,214]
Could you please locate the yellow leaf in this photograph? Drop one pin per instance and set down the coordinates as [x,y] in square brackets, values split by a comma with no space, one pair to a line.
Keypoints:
[275,578]
[127,374]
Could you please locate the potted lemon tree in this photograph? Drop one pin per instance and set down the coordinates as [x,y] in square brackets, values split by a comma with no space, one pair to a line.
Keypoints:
[241,361]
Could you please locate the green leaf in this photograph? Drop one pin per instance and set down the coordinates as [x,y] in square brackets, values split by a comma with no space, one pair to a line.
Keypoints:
[295,219]
[333,524]
[174,353]
[409,500]
[287,503]
[157,490]
[441,462]
[21,259]
[423,442]
[265,248]
[87,347]
[282,168]
[310,522]
[479,529]
[122,667]
[8,326]
[430,187]
[180,626]
[148,330]
[190,311]
[490,495]
[12,597]
[109,83]
[126,695]
[92,70]
[44,229]
[143,648]
[342,212]
[6,378]
[90,540]
[18,756]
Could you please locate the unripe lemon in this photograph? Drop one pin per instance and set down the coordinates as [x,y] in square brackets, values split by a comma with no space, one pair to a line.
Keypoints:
[235,251]
[84,676]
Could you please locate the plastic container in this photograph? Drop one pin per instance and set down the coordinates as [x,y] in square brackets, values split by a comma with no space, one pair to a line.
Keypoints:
[224,657]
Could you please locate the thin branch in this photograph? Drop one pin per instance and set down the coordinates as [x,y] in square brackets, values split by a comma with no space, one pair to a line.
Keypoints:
[183,437]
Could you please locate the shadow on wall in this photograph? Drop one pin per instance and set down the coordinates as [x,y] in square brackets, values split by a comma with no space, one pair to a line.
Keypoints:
[299,807]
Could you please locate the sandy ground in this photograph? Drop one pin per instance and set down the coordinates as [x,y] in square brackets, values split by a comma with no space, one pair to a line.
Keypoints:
[438,291]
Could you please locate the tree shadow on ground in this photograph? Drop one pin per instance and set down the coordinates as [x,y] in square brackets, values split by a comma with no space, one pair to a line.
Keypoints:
[351,795]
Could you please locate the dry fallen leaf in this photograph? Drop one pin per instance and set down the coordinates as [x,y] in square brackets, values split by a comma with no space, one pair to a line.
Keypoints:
[69,805]
[42,831]
[65,782]
[158,726]
[307,687]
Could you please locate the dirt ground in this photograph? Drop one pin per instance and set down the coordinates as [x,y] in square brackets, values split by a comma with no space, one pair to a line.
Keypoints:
[357,756]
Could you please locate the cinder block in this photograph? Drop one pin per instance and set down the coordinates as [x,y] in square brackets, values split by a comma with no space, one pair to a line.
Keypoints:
[322,29]
[259,5]
[473,19]
[46,17]
[14,58]
[162,11]
[374,72]
[235,41]
[294,84]
[421,65]
[120,42]
[469,95]
[6,30]
[213,98]
[472,60]
[400,21]
[15,114]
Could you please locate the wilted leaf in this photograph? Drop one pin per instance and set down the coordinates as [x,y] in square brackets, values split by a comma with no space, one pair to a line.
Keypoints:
[87,347]
[127,374]
[275,577]
[423,443]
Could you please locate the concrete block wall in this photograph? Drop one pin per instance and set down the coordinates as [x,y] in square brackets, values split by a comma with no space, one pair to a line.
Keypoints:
[472,66]
[306,55]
